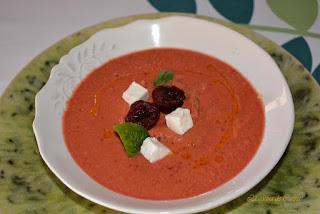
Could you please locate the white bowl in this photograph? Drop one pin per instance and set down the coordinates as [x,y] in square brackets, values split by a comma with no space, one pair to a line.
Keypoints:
[179,32]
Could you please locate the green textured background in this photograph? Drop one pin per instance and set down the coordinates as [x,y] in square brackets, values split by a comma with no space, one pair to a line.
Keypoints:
[27,186]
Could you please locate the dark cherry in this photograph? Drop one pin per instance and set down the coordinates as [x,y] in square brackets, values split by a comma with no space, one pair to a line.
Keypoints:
[143,113]
[168,98]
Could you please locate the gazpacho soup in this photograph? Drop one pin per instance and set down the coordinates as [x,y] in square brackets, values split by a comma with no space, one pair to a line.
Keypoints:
[163,124]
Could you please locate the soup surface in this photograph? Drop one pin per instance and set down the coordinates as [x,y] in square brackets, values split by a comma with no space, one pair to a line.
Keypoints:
[227,113]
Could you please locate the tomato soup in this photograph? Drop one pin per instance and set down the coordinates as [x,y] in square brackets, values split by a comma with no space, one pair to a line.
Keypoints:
[227,113]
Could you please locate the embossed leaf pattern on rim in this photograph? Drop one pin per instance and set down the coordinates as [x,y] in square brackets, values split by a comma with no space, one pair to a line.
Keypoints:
[74,66]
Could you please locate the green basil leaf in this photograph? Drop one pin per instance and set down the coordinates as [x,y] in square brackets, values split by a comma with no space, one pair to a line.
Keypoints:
[132,136]
[163,77]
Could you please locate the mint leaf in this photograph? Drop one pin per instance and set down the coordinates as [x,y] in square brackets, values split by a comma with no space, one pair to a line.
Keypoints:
[132,136]
[163,77]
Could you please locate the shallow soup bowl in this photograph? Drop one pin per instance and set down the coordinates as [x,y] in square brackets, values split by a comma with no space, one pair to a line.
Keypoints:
[173,32]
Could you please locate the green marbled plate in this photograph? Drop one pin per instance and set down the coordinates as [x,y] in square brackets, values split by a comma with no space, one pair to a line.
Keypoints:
[28,186]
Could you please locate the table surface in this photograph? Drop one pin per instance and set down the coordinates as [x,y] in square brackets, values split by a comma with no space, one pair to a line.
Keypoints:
[17,106]
[28,27]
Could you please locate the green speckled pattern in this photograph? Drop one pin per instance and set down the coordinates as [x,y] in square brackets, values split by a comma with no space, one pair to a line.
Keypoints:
[27,185]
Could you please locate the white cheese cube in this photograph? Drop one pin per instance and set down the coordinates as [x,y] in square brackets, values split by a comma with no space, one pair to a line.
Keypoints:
[134,93]
[179,120]
[153,150]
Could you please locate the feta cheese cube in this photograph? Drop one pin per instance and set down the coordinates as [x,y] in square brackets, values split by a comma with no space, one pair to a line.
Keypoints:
[153,150]
[134,93]
[179,120]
